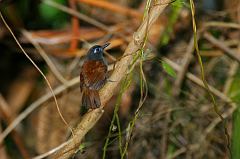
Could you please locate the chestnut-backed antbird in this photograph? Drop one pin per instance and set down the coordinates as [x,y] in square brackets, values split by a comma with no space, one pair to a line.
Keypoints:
[93,76]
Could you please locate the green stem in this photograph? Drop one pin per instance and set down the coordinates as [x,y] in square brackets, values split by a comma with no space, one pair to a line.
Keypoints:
[203,75]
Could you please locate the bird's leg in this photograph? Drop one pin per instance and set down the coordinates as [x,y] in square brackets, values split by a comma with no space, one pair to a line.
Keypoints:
[109,80]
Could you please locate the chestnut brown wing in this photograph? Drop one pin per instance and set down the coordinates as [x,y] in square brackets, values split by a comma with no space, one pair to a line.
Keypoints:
[81,81]
[94,74]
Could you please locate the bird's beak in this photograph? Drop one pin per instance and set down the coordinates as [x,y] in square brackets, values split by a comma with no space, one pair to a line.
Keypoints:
[105,45]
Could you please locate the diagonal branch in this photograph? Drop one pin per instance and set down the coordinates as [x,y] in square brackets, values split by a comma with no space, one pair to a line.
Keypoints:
[90,119]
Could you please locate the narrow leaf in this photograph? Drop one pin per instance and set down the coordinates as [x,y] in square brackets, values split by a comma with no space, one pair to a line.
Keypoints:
[167,68]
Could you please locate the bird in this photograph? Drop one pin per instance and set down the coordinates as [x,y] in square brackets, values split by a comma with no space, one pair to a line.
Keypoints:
[93,76]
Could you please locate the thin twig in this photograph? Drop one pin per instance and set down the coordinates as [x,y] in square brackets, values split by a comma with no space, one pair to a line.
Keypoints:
[85,18]
[214,91]
[199,82]
[229,52]
[211,126]
[231,73]
[53,37]
[36,104]
[216,121]
[39,70]
[77,14]
[165,135]
[39,102]
[50,152]
[113,7]
[180,151]
[181,74]
[222,24]
[7,117]
[49,62]
[215,106]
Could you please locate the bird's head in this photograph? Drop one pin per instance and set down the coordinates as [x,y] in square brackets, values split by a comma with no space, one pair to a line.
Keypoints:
[96,52]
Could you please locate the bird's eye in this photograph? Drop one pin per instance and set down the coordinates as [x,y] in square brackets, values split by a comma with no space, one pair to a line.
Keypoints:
[96,50]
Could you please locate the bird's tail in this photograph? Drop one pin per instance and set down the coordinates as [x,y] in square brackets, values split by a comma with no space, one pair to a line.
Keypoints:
[90,99]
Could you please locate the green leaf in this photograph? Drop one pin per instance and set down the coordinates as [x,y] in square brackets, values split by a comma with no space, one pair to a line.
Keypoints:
[235,96]
[82,147]
[236,134]
[53,16]
[173,17]
[167,68]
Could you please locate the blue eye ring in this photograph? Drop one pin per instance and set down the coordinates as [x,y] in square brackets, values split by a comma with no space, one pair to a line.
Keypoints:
[96,50]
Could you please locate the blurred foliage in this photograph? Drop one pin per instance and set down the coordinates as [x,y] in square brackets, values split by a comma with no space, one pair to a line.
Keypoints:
[35,14]
[173,16]
[168,69]
[53,16]
[234,93]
